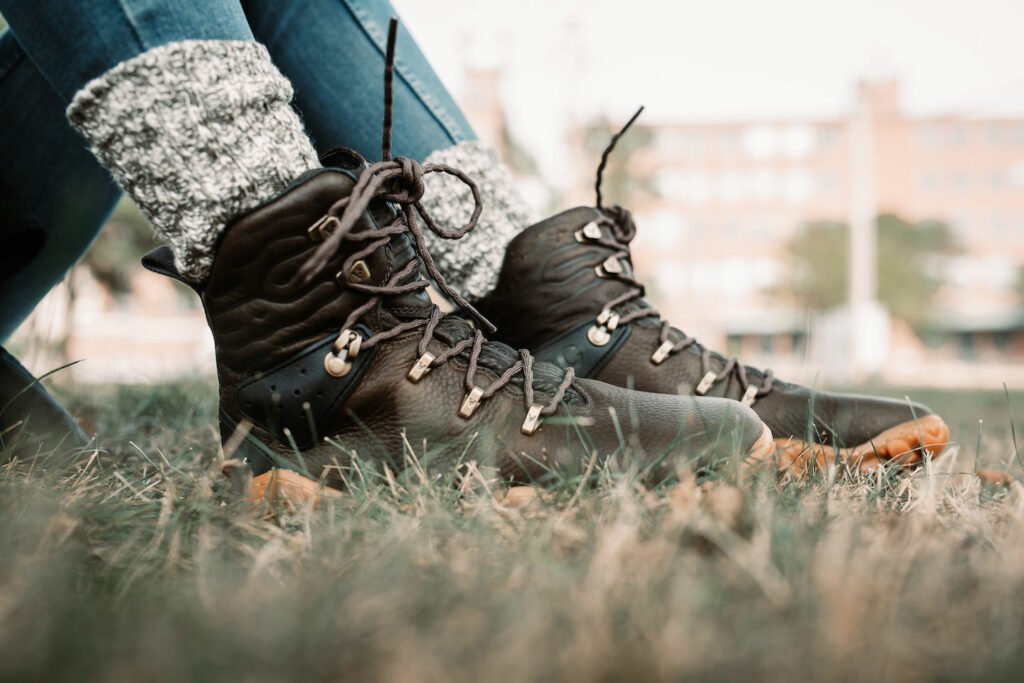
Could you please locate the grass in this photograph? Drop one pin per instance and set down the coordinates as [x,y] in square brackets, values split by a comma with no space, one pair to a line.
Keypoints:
[140,561]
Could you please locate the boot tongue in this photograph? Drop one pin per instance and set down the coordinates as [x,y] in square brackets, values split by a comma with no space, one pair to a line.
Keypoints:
[498,357]
[411,304]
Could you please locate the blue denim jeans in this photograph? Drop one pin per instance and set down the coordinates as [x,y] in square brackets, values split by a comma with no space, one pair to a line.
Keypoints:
[54,196]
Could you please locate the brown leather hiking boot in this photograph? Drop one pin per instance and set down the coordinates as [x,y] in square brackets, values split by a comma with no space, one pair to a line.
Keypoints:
[359,361]
[328,345]
[568,293]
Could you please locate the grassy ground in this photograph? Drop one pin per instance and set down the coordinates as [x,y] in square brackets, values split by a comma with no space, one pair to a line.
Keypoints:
[140,562]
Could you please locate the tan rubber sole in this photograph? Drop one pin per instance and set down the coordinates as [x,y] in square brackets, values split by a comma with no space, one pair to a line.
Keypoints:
[290,488]
[901,445]
[763,449]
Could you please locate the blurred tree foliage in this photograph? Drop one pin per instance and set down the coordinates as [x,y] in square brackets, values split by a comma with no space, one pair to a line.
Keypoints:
[909,257]
[121,243]
[517,157]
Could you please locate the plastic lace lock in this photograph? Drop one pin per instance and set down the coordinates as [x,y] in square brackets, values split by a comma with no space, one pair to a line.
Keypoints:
[590,231]
[323,228]
[706,382]
[662,353]
[749,396]
[346,347]
[471,402]
[421,367]
[532,420]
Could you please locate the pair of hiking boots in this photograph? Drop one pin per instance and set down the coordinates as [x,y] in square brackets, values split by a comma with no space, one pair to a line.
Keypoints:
[329,346]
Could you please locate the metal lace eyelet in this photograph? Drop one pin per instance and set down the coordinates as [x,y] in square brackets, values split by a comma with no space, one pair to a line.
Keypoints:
[337,366]
[612,265]
[532,420]
[749,396]
[421,367]
[590,231]
[662,353]
[323,228]
[348,341]
[359,272]
[471,402]
[706,383]
[346,347]
[608,320]
[598,335]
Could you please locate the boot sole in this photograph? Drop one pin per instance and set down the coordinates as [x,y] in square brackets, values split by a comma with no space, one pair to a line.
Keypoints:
[904,444]
[763,449]
[293,489]
[289,488]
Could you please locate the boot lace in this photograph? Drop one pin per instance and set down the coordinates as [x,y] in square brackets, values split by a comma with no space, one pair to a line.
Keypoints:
[400,181]
[632,305]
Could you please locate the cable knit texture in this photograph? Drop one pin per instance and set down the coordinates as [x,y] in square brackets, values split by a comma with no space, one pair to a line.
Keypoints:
[197,133]
[472,264]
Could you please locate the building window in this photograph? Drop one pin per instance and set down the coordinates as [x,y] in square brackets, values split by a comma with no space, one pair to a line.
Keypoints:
[799,343]
[966,346]
[1001,340]
[734,344]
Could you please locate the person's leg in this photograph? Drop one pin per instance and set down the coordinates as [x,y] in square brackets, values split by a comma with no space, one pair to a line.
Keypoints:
[54,196]
[177,101]
[333,52]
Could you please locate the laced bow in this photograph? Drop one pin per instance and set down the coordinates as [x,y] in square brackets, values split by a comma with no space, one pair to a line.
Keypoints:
[622,228]
[400,181]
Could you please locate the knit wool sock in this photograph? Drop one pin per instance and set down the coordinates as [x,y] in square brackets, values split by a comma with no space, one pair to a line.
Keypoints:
[197,133]
[472,264]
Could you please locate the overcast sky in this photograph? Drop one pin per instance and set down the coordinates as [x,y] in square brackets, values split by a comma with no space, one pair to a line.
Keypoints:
[724,59]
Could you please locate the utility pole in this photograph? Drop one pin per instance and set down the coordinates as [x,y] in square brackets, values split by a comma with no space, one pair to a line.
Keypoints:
[868,323]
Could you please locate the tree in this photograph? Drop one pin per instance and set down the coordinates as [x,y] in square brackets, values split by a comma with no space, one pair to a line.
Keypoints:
[909,255]
[121,243]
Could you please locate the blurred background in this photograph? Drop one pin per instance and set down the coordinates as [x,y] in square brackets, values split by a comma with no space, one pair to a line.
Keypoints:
[832,189]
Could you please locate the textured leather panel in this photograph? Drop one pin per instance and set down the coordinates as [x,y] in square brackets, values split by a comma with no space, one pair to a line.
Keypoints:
[269,329]
[575,349]
[844,420]
[547,294]
[299,395]
[562,291]
[259,312]
[658,431]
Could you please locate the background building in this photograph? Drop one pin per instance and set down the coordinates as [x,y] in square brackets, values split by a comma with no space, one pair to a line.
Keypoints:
[719,204]
[756,132]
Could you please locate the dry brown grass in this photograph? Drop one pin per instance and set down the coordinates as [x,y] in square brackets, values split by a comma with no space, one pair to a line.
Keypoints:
[145,564]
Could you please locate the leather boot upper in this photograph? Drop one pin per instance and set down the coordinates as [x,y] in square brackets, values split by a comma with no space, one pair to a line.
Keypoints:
[554,286]
[273,335]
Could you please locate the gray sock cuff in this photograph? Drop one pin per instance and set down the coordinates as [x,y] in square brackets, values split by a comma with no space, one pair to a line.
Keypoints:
[197,133]
[472,264]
